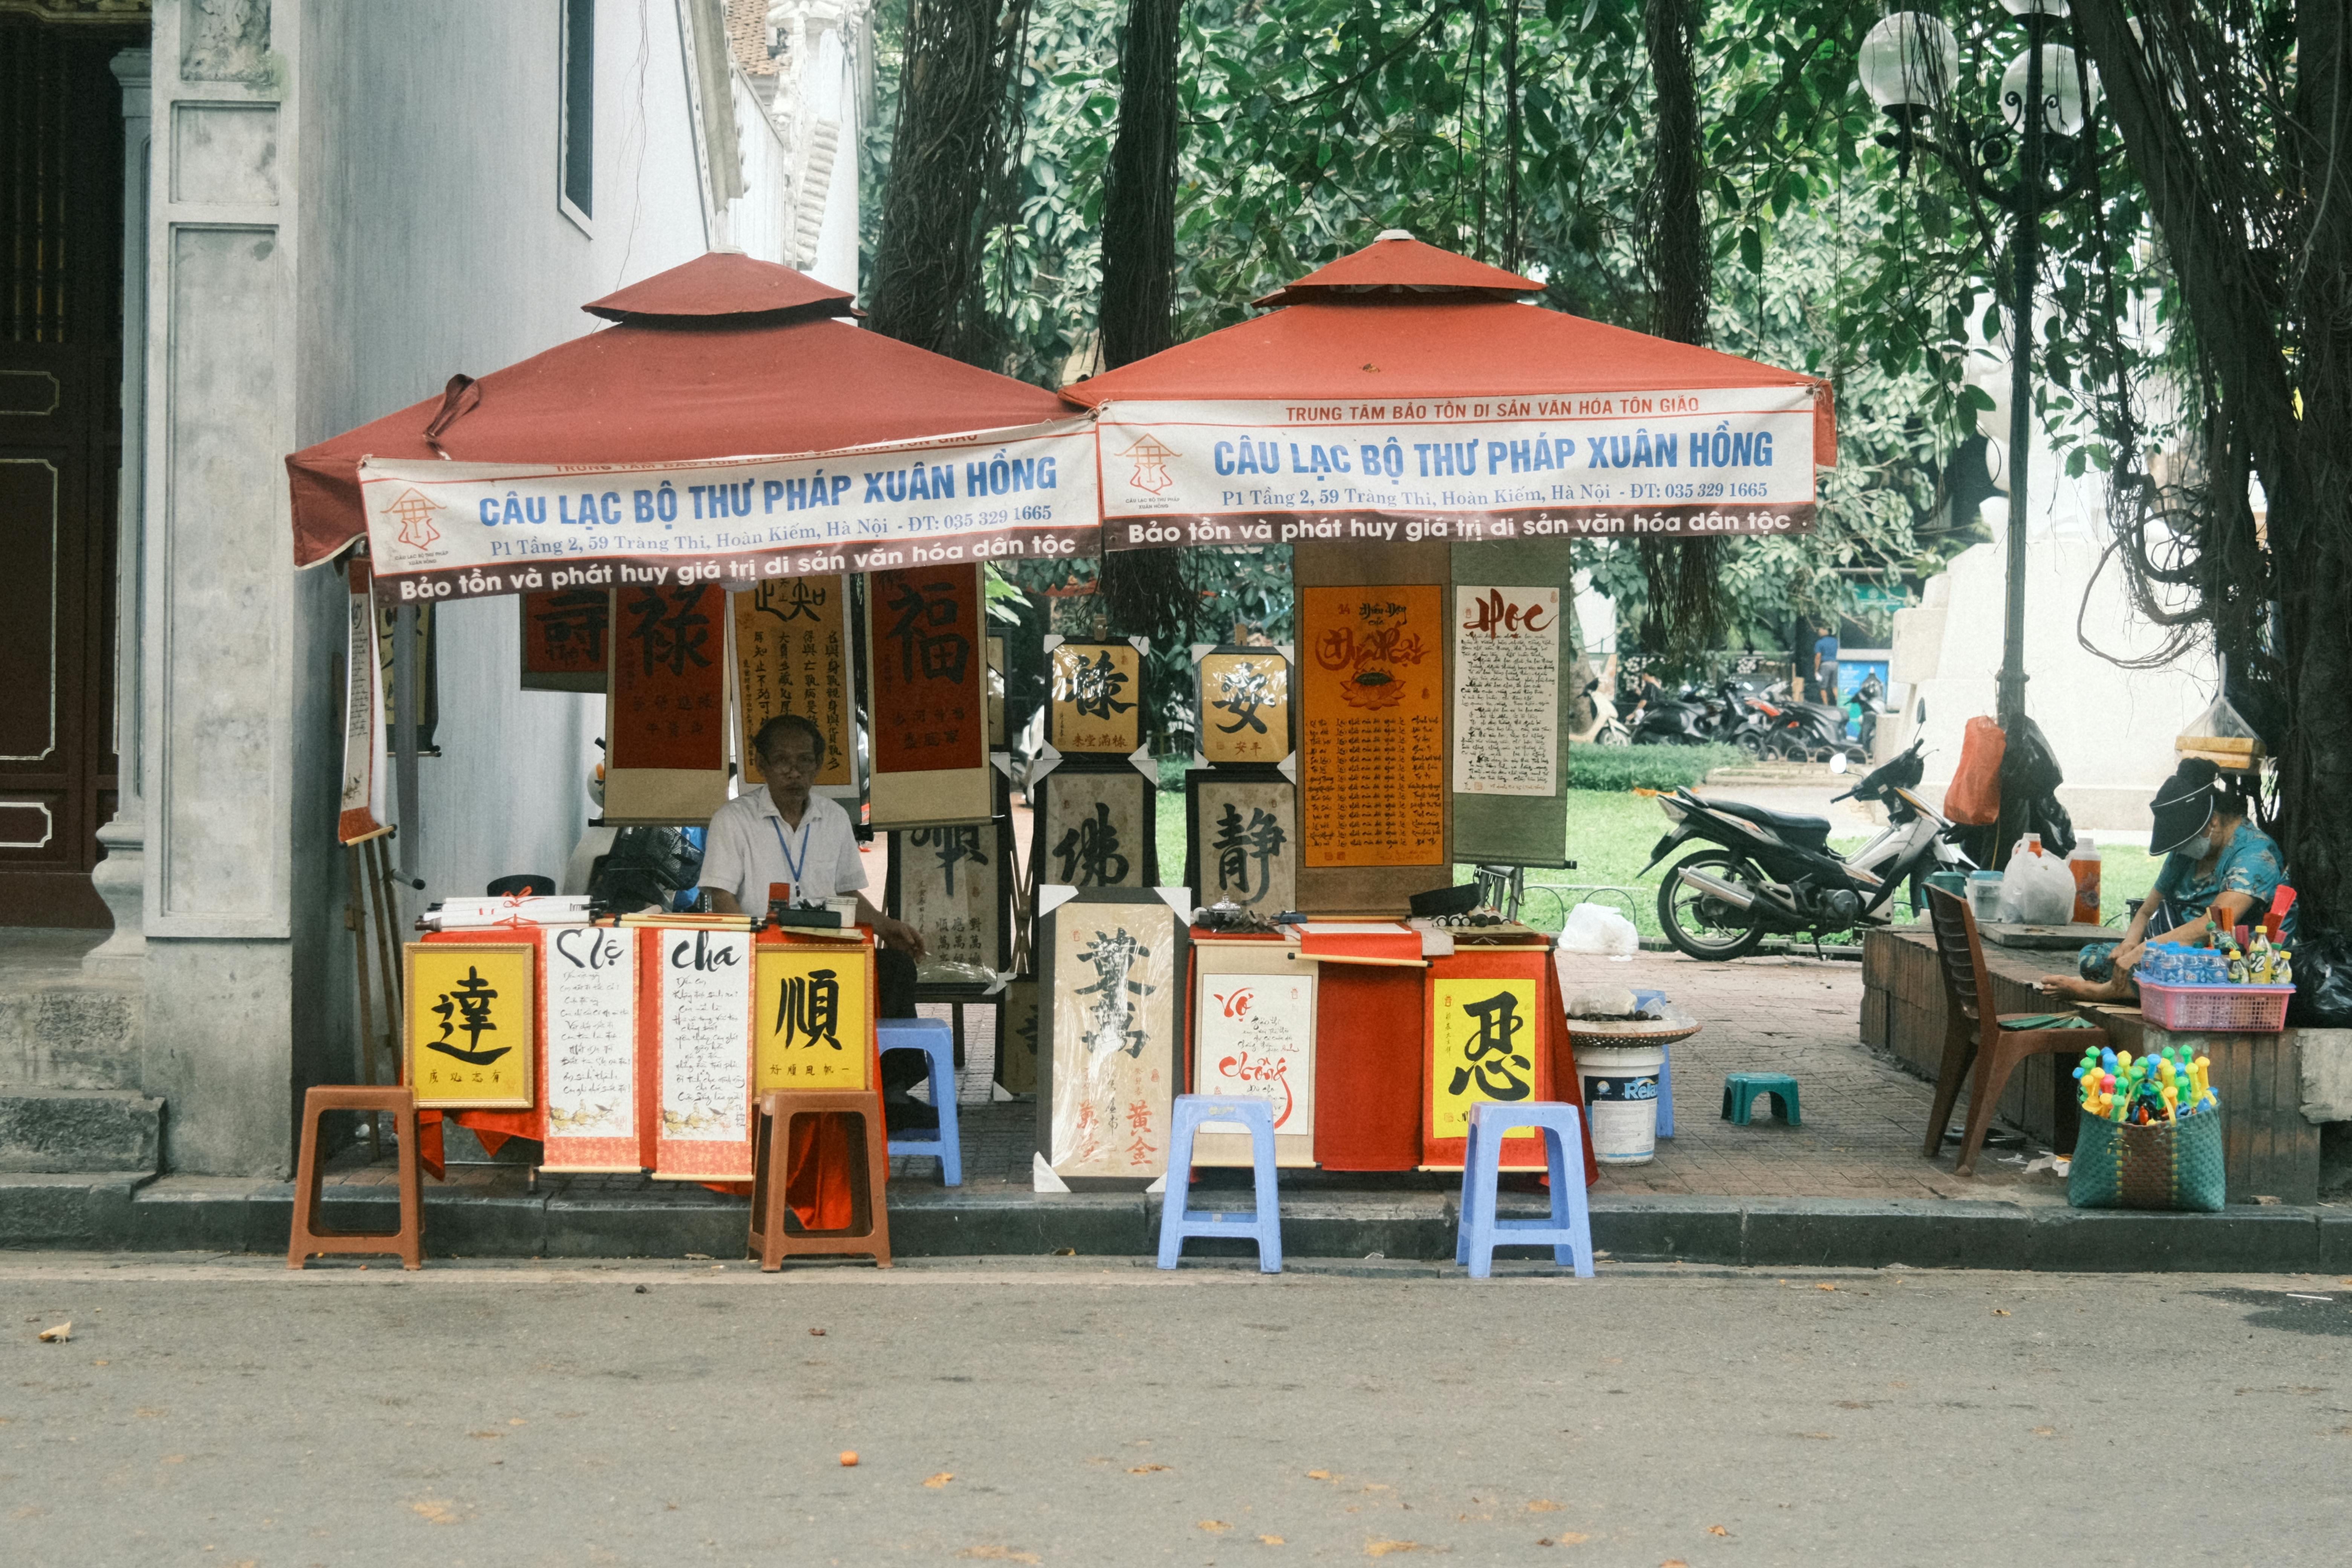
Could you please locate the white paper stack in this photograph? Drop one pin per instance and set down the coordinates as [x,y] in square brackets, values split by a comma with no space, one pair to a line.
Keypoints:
[481,914]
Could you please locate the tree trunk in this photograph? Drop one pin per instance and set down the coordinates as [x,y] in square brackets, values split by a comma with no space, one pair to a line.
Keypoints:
[1139,227]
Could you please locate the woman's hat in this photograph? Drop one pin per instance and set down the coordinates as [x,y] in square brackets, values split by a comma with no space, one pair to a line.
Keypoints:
[2183,807]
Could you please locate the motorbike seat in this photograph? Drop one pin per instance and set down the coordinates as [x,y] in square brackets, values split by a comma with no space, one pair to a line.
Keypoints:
[1812,831]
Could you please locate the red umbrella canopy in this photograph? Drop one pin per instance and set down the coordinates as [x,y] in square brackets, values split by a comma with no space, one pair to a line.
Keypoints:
[724,356]
[1401,318]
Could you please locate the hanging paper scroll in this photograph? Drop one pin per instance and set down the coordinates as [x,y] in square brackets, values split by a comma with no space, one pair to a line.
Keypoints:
[812,1018]
[361,811]
[1114,966]
[949,884]
[925,659]
[592,1048]
[1253,1028]
[1243,840]
[1097,707]
[792,655]
[699,987]
[472,1023]
[1245,706]
[563,638]
[1505,690]
[1374,734]
[666,717]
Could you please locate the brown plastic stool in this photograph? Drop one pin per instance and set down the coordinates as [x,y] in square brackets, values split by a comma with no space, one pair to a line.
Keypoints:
[307,1240]
[772,1129]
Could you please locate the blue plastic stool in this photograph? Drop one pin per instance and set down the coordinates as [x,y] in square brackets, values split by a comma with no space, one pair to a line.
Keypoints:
[1177,1220]
[1741,1090]
[1666,1069]
[936,1040]
[1569,1229]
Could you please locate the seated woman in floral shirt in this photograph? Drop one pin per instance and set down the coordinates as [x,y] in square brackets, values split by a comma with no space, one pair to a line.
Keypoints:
[2220,871]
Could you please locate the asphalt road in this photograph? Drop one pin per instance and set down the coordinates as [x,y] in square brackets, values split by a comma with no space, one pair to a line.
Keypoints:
[1075,1411]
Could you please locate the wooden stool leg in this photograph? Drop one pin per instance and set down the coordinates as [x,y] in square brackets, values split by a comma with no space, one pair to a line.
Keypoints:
[411,1187]
[307,1177]
[877,1177]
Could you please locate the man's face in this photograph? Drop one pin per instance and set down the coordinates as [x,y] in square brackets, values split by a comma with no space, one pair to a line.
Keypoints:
[791,762]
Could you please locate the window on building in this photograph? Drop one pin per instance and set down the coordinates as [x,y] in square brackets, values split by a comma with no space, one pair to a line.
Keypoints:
[579,128]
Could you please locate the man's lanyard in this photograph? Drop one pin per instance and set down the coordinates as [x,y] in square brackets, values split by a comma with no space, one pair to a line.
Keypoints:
[793,863]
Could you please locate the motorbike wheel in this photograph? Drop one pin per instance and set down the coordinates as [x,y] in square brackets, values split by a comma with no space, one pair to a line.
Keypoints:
[1701,925]
[1749,742]
[1613,733]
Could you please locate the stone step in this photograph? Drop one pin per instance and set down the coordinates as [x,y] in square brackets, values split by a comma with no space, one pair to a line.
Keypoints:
[67,1032]
[78,1131]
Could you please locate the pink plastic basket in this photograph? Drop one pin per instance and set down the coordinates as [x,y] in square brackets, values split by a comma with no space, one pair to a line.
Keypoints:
[2215,1009]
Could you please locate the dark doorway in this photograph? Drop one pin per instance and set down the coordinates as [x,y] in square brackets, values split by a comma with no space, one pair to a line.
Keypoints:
[60,445]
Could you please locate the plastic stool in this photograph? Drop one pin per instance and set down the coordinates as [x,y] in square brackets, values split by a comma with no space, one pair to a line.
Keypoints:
[1742,1089]
[772,1236]
[937,1041]
[1178,1221]
[308,1237]
[1569,1229]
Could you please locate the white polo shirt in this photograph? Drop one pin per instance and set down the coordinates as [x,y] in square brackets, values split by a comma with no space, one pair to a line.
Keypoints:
[751,846]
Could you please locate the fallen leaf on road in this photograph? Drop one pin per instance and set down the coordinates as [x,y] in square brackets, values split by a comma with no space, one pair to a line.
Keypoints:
[1380,1546]
[942,1478]
[484,1434]
[998,1554]
[1543,1505]
[1143,1469]
[2000,1312]
[434,1511]
[99,1361]
[517,1421]
[1572,1538]
[57,1335]
[1716,1530]
[817,1332]
[1319,1475]
[1825,1287]
[1825,1437]
[2045,1431]
[1270,1540]
[1674,1562]
[1213,1526]
[175,1458]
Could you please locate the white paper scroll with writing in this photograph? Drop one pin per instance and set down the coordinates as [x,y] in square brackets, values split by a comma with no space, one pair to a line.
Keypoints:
[1507,674]
[592,1048]
[706,1054]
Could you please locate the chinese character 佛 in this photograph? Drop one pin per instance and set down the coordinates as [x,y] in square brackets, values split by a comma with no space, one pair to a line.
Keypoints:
[467,1005]
[1114,958]
[1236,847]
[1089,852]
[923,642]
[1489,1057]
[808,1009]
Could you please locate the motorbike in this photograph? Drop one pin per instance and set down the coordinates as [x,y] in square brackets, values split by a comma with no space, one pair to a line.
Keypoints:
[1769,872]
[1606,728]
[1803,731]
[1686,719]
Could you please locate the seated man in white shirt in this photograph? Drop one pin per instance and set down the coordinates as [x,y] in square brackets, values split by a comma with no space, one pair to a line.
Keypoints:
[787,834]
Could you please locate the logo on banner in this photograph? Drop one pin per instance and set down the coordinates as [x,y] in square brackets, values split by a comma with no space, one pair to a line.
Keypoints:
[415,513]
[1150,457]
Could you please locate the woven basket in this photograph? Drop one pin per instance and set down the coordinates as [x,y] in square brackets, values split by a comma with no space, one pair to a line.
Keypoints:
[2163,1165]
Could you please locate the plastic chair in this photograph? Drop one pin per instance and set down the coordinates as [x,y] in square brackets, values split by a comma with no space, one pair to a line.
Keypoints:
[308,1237]
[1177,1220]
[1741,1090]
[1975,1033]
[937,1042]
[1569,1230]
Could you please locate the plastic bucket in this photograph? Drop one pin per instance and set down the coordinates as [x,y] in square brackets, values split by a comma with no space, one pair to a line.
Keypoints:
[1984,896]
[1621,1101]
[1953,882]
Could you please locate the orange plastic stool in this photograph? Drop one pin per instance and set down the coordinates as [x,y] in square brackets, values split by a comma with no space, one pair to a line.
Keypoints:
[307,1240]
[869,1228]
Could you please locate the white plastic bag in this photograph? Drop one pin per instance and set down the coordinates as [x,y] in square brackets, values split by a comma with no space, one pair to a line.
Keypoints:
[2037,888]
[1597,928]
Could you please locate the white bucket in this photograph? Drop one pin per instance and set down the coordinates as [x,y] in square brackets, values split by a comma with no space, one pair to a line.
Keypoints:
[1621,1101]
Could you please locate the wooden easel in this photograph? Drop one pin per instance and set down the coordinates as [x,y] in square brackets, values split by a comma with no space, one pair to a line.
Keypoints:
[373,917]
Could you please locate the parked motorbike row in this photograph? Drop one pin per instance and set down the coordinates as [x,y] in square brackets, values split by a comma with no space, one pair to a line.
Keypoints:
[1767,724]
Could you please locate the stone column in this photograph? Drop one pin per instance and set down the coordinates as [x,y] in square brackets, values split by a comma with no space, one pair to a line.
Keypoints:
[121,877]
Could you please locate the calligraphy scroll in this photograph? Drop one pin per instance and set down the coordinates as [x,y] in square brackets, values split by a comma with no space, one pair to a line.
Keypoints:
[949,883]
[1016,1038]
[700,1016]
[1097,707]
[925,662]
[1511,702]
[1095,828]
[592,1048]
[360,814]
[1254,1035]
[472,1023]
[813,1018]
[665,708]
[1245,705]
[1374,747]
[1242,840]
[1486,1039]
[996,740]
[563,639]
[1108,1056]
[792,655]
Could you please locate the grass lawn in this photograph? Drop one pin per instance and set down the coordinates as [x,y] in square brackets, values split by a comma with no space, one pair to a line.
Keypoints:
[1610,837]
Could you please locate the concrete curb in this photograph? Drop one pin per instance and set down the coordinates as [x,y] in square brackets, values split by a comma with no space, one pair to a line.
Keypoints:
[926,1221]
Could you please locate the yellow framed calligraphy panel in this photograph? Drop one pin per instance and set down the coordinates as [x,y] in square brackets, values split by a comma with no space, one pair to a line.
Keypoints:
[472,1028]
[1098,697]
[1244,695]
[813,1018]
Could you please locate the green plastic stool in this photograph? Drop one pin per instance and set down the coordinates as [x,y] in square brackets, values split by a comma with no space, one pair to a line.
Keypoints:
[1741,1090]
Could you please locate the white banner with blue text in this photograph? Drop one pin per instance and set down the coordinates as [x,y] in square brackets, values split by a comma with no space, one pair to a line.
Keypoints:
[1601,465]
[454,530]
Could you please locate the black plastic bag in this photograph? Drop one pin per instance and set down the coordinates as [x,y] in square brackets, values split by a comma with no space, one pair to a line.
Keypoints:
[2323,980]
